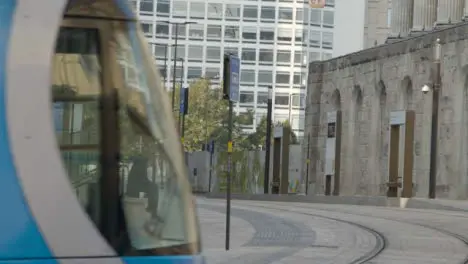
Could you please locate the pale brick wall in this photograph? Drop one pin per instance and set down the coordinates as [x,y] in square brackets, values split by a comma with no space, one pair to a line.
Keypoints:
[389,78]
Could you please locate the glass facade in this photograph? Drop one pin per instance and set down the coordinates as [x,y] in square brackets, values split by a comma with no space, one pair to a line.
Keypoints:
[275,39]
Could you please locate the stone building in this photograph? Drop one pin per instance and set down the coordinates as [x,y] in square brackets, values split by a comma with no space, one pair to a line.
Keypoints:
[368,85]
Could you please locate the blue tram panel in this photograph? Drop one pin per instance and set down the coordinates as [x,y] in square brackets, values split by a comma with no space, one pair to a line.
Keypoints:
[102,179]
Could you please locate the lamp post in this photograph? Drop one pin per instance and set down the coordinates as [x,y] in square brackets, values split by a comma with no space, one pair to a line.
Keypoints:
[436,87]
[266,176]
[175,54]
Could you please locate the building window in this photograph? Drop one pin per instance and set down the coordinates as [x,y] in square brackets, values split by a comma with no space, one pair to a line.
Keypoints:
[195,53]
[249,56]
[231,50]
[299,15]
[194,72]
[299,35]
[314,56]
[299,58]
[282,77]
[249,34]
[180,51]
[285,14]
[315,17]
[162,31]
[160,51]
[281,99]
[327,40]
[146,7]
[247,97]
[247,76]
[212,73]
[267,14]
[297,78]
[196,31]
[179,72]
[265,77]
[267,35]
[328,19]
[283,57]
[330,3]
[326,56]
[181,30]
[265,56]
[298,100]
[163,8]
[314,38]
[213,54]
[232,12]
[147,29]
[262,99]
[213,32]
[215,11]
[179,9]
[284,35]
[197,10]
[250,13]
[231,33]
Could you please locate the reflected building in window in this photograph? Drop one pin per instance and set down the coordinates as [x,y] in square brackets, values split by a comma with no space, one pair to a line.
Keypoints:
[275,39]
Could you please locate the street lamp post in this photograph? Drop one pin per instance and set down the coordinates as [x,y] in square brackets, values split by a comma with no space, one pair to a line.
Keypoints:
[436,87]
[175,54]
[266,176]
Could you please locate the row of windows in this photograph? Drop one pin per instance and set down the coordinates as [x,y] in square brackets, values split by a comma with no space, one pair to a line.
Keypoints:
[248,77]
[227,33]
[280,100]
[248,56]
[297,121]
[234,12]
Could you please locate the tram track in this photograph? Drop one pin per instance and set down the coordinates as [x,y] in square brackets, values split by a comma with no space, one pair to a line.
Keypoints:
[380,246]
[381,240]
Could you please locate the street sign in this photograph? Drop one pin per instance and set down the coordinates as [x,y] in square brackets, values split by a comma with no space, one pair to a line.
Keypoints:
[234,68]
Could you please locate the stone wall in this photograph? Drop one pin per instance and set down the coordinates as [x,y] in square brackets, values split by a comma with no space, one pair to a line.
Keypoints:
[367,86]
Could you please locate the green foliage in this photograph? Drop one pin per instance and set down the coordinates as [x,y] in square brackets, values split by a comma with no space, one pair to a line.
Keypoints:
[207,117]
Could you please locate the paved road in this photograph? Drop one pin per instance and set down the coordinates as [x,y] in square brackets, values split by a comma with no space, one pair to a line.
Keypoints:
[275,232]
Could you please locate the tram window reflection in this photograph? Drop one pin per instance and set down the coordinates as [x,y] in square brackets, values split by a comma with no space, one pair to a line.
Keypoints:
[76,87]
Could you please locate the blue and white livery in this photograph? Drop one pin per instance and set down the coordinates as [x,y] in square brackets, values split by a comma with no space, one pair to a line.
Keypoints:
[91,170]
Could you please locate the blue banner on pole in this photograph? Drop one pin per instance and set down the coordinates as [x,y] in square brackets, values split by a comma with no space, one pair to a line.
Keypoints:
[234,67]
[182,100]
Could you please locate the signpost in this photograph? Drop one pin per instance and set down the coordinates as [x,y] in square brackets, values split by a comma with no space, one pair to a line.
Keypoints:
[211,150]
[231,69]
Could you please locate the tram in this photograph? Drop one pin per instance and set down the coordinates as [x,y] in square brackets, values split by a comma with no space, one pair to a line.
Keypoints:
[91,168]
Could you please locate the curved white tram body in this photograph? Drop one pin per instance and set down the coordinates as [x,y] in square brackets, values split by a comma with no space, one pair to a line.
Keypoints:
[90,165]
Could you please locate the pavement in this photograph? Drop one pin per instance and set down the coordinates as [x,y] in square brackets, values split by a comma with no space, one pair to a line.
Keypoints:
[306,232]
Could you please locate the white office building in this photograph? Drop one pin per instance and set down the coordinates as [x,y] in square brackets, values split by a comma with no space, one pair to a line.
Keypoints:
[275,40]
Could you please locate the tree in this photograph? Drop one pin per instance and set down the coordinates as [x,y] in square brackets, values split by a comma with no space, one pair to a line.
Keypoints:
[207,117]
[258,138]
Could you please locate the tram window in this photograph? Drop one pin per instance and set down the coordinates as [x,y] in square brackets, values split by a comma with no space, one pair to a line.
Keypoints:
[152,202]
[76,89]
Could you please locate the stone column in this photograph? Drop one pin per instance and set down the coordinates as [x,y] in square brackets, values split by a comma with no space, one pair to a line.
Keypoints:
[450,11]
[402,18]
[424,15]
[466,10]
